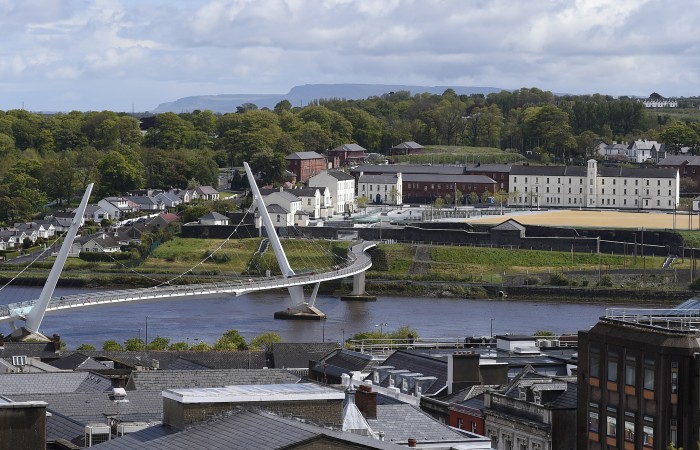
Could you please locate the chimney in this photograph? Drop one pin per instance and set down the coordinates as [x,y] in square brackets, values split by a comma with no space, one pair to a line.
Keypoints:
[56,342]
[462,371]
[2,341]
[281,189]
[411,443]
[366,401]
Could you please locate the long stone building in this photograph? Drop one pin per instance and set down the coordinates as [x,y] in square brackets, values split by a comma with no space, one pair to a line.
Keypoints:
[594,187]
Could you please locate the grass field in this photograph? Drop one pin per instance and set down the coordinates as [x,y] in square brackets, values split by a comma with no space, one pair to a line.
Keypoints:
[451,154]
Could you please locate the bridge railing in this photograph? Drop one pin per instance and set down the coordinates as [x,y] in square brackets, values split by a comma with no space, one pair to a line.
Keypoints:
[384,346]
[357,262]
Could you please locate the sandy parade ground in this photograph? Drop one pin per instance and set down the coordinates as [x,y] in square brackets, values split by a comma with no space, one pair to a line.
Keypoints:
[603,219]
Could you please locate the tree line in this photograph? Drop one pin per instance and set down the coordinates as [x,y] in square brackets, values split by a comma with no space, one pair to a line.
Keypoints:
[49,158]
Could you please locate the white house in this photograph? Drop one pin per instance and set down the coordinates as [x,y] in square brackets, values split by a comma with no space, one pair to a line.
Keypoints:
[310,198]
[146,203]
[117,207]
[207,193]
[594,187]
[95,213]
[94,243]
[381,188]
[341,187]
[290,202]
[169,199]
[213,218]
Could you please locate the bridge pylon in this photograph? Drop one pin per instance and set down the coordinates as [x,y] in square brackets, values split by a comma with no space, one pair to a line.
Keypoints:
[303,309]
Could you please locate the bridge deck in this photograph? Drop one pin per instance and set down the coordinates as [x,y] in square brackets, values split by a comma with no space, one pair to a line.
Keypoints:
[359,261]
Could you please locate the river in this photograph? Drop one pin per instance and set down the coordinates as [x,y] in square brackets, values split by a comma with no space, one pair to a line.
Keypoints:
[207,318]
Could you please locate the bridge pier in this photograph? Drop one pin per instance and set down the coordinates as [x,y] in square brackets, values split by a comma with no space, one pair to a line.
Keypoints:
[358,290]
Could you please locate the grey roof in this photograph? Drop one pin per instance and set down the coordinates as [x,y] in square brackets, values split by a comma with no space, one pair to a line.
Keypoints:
[637,172]
[244,430]
[478,167]
[340,175]
[408,168]
[305,191]
[297,355]
[276,209]
[421,363]
[408,145]
[403,421]
[86,407]
[143,200]
[183,364]
[304,155]
[59,426]
[350,360]
[562,171]
[213,216]
[287,195]
[210,359]
[178,379]
[440,178]
[509,224]
[206,190]
[52,383]
[77,361]
[379,178]
[38,349]
[349,148]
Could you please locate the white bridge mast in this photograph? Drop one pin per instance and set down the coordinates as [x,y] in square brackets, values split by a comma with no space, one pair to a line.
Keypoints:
[35,316]
[302,307]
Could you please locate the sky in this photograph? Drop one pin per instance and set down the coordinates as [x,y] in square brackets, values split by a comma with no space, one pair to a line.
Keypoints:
[124,55]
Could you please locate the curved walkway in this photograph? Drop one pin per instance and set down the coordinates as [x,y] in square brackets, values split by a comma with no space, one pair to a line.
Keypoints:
[359,261]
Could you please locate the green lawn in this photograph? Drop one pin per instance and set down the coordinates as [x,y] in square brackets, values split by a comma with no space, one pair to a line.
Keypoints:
[451,154]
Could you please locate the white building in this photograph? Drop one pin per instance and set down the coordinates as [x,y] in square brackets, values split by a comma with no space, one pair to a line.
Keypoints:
[594,187]
[381,188]
[341,187]
[310,198]
[214,218]
[117,207]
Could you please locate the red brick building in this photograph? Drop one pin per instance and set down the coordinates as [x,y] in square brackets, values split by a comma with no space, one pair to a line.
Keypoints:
[305,165]
[348,154]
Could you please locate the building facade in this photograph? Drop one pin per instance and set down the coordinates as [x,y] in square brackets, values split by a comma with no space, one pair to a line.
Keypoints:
[594,187]
[638,380]
[341,187]
[381,189]
[305,165]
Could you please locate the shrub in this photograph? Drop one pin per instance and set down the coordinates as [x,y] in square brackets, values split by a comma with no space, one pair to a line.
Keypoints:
[558,279]
[695,285]
[606,281]
[532,281]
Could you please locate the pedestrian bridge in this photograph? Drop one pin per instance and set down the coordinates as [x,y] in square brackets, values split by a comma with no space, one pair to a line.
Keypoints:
[358,261]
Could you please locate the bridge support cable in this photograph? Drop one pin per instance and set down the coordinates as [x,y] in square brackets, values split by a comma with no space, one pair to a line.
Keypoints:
[35,316]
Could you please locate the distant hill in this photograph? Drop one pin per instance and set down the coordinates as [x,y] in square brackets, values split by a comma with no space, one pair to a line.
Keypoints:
[303,95]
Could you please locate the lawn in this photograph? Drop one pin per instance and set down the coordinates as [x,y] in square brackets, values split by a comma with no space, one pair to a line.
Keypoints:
[449,154]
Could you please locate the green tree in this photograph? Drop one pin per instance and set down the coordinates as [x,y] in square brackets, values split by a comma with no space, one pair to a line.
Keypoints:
[680,135]
[264,341]
[134,345]
[178,347]
[269,165]
[231,340]
[158,344]
[473,198]
[362,202]
[112,346]
[439,203]
[85,348]
[201,347]
[120,172]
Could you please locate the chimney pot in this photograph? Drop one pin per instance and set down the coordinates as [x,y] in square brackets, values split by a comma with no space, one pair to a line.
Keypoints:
[411,442]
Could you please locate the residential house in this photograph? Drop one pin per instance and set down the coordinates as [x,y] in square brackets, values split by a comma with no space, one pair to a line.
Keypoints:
[381,189]
[95,243]
[341,187]
[595,187]
[12,238]
[149,204]
[688,167]
[46,229]
[311,201]
[185,195]
[61,220]
[213,218]
[169,199]
[285,199]
[162,220]
[349,154]
[406,148]
[95,213]
[118,207]
[207,193]
[305,165]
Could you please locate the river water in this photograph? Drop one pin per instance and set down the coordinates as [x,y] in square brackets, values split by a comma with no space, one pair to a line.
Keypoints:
[207,318]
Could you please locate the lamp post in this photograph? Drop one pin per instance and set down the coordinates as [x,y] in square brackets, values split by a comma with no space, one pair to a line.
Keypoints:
[491,335]
[146,331]
[381,327]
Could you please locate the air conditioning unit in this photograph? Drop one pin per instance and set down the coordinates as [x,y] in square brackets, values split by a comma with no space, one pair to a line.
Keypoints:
[541,342]
[131,427]
[96,433]
[554,343]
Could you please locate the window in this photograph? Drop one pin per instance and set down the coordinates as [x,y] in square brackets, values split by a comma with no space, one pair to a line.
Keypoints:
[593,421]
[629,430]
[611,426]
[648,436]
[674,377]
[594,362]
[624,191]
[649,375]
[460,423]
[612,367]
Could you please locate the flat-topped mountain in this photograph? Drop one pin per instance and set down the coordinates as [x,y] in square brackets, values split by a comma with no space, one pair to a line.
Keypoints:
[303,95]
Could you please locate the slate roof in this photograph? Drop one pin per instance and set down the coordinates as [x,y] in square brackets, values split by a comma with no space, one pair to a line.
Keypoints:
[408,145]
[206,190]
[274,208]
[59,426]
[442,178]
[297,355]
[340,175]
[212,360]
[77,361]
[379,178]
[181,379]
[144,200]
[403,421]
[87,407]
[243,430]
[35,349]
[637,172]
[563,171]
[304,155]
[349,360]
[213,216]
[286,195]
[408,168]
[677,160]
[420,363]
[305,191]
[52,383]
[183,364]
[509,224]
[349,148]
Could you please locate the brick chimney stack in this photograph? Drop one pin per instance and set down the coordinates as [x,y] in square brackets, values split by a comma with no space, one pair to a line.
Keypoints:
[56,342]
[366,401]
